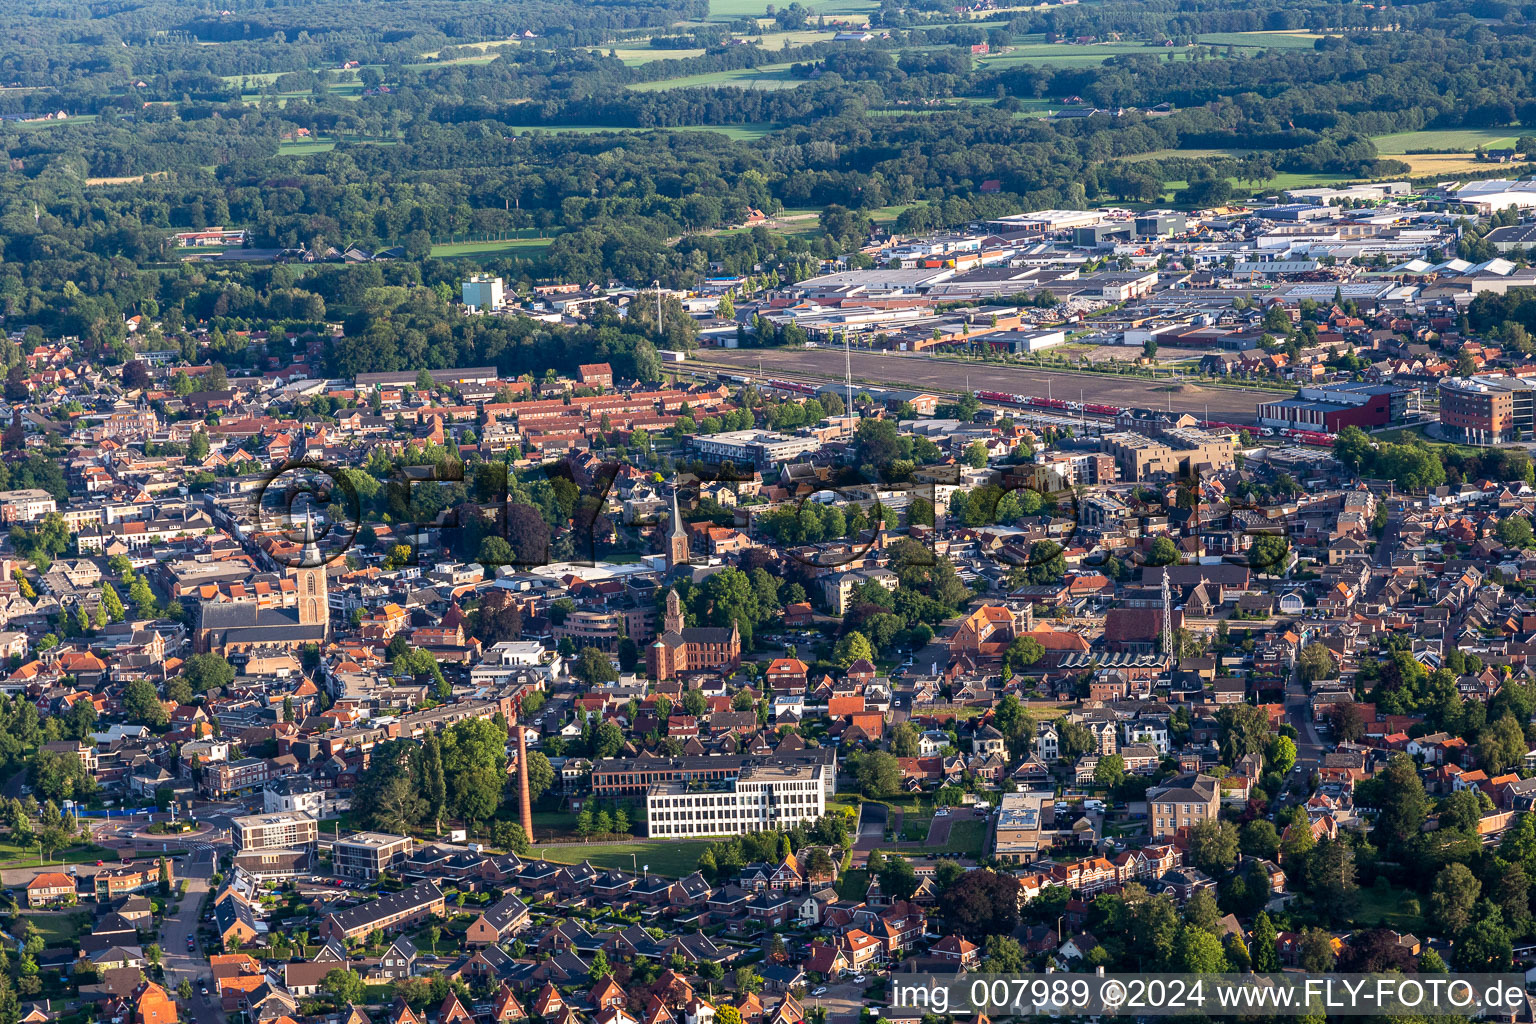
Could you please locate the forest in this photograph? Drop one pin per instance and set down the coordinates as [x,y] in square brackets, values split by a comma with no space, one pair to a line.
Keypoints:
[424,124]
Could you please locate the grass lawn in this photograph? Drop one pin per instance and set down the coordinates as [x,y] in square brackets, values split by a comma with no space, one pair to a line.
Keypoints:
[1457,139]
[515,246]
[1387,907]
[966,836]
[13,856]
[769,76]
[670,858]
[852,883]
[59,929]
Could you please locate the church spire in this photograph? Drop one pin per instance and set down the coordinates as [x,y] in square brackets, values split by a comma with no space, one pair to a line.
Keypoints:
[309,555]
[677,538]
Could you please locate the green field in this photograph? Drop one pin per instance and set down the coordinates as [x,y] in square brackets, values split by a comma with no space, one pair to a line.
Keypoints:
[1264,40]
[769,76]
[671,858]
[305,147]
[748,132]
[730,10]
[1191,154]
[514,246]
[1449,139]
[1278,183]
[1070,54]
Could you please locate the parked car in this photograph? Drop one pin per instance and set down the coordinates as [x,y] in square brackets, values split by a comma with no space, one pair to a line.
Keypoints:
[820,991]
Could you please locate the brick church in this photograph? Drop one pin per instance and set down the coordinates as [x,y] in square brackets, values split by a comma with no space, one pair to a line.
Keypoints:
[681,649]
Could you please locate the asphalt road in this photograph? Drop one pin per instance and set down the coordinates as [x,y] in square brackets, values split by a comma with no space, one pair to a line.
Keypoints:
[1235,404]
[179,963]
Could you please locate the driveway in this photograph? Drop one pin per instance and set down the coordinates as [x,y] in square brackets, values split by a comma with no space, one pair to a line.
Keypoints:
[871,832]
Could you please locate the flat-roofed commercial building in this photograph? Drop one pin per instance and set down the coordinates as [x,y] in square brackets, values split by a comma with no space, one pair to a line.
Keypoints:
[757,448]
[1181,453]
[1332,407]
[632,776]
[366,855]
[1024,827]
[1490,408]
[291,831]
[761,797]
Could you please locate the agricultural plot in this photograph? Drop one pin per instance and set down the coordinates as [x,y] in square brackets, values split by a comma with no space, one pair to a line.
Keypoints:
[769,76]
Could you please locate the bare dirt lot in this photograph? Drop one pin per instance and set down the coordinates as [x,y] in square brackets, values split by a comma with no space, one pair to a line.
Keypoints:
[1236,404]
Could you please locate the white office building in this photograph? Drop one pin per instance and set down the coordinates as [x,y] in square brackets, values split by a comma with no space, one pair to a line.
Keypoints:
[760,797]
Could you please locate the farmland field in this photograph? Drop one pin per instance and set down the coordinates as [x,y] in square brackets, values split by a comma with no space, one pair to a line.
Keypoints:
[1457,139]
[1191,154]
[748,132]
[769,76]
[1069,54]
[514,246]
[1265,40]
[846,10]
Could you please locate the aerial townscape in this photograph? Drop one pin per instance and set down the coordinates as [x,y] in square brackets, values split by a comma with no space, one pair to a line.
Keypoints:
[694,511]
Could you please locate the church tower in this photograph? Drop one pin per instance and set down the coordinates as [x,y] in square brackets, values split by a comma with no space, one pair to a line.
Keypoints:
[673,623]
[309,577]
[677,538]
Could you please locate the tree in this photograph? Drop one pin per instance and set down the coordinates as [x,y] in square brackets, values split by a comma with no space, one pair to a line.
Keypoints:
[1241,729]
[1163,552]
[599,968]
[208,672]
[1266,957]
[982,903]
[852,647]
[1213,845]
[1316,662]
[1452,898]
[1110,771]
[434,784]
[1502,745]
[474,766]
[1404,805]
[976,455]
[1268,553]
[142,703]
[879,774]
[541,775]
[1197,951]
[1330,878]
[898,879]
[343,986]
[1281,755]
[1258,838]
[904,740]
[1515,532]
[594,667]
[1316,953]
